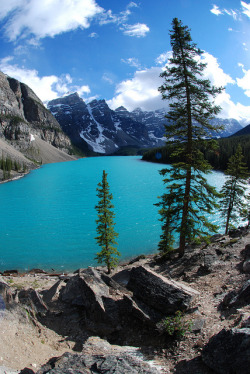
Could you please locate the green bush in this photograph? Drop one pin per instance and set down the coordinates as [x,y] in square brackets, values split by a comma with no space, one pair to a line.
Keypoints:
[176,326]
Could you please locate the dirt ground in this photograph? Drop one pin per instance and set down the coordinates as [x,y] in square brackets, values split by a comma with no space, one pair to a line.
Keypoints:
[25,342]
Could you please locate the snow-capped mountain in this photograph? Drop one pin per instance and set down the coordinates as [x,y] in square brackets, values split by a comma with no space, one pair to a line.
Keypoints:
[99,128]
[95,127]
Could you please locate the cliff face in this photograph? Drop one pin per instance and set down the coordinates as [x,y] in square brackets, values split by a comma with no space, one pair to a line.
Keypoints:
[23,116]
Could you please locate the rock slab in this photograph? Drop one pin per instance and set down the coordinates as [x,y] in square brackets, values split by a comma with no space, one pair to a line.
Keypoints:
[162,294]
[228,352]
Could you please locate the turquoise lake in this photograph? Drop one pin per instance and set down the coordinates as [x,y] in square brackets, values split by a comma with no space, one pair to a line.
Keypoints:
[47,218]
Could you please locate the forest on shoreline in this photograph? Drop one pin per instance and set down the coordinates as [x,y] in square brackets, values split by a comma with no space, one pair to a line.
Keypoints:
[218,158]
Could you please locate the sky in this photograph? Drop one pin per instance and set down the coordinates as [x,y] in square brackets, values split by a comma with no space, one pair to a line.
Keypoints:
[116,49]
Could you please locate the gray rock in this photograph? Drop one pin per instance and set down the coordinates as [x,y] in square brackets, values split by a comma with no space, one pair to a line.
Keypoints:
[242,297]
[53,293]
[88,291]
[6,295]
[247,252]
[33,300]
[138,310]
[162,294]
[246,266]
[99,357]
[228,352]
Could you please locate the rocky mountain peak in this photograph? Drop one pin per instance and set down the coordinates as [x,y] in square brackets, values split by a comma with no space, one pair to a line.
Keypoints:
[71,99]
[121,109]
[23,117]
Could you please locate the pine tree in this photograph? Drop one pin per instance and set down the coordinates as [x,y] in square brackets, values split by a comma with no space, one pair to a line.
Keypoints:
[105,226]
[168,212]
[190,110]
[234,201]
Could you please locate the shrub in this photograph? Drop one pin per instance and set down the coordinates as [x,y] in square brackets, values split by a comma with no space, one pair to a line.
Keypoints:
[176,326]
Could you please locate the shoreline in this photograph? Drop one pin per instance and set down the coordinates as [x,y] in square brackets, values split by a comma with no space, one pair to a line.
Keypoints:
[16,177]
[54,273]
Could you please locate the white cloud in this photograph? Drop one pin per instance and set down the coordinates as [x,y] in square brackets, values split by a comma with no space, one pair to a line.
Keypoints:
[47,18]
[230,12]
[39,19]
[142,90]
[132,61]
[246,8]
[94,35]
[214,72]
[47,87]
[108,17]
[132,5]
[108,77]
[139,30]
[231,110]
[215,10]
[163,57]
[244,82]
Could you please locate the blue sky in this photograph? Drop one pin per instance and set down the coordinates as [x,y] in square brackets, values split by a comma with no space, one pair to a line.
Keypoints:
[116,49]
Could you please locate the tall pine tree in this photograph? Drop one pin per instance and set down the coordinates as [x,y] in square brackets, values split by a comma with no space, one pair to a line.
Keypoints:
[234,202]
[190,110]
[105,226]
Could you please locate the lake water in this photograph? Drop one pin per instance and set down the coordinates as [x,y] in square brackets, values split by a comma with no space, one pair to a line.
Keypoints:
[47,219]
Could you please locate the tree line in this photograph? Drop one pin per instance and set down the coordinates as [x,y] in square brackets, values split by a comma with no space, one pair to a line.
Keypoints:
[218,157]
[188,197]
[7,164]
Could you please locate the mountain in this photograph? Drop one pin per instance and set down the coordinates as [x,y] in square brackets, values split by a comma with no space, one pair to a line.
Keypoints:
[94,127]
[98,128]
[29,133]
[231,126]
[244,131]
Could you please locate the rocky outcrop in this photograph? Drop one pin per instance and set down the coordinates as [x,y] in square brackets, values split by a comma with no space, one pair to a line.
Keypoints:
[98,356]
[108,307]
[6,295]
[228,352]
[162,294]
[24,117]
[33,301]
[237,298]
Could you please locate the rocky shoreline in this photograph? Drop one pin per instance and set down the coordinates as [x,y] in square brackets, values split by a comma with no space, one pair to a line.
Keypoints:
[89,322]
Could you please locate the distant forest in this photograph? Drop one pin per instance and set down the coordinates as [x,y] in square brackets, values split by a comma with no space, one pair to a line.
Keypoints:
[217,158]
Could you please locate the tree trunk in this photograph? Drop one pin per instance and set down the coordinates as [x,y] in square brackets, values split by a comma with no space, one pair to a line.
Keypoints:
[185,214]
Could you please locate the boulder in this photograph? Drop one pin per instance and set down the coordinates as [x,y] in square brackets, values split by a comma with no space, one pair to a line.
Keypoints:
[246,266]
[247,252]
[53,292]
[97,300]
[158,292]
[33,300]
[228,352]
[238,298]
[137,310]
[99,357]
[6,296]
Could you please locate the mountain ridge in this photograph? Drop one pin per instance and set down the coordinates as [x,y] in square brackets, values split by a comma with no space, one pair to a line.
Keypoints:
[95,127]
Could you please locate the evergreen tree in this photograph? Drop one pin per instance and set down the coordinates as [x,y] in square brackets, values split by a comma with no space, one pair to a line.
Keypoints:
[168,212]
[105,226]
[190,110]
[233,201]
